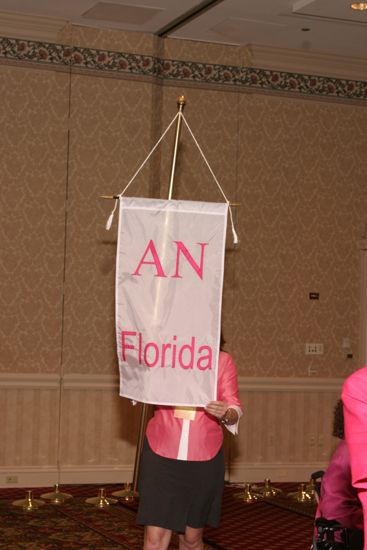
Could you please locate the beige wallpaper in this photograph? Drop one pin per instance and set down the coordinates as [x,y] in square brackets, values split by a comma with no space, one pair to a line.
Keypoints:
[203,52]
[295,165]
[111,132]
[33,145]
[108,39]
[301,185]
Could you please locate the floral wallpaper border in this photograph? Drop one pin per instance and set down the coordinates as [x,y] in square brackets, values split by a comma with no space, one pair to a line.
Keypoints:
[184,71]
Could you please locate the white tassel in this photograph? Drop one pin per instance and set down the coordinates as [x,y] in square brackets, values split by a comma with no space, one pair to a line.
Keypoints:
[110,218]
[109,221]
[235,236]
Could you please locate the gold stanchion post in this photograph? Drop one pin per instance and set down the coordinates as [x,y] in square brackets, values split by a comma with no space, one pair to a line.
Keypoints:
[130,493]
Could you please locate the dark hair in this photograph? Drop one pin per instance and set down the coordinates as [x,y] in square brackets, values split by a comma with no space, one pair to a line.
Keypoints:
[338,427]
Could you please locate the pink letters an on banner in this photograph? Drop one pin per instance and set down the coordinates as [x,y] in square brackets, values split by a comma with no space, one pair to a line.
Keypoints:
[181,248]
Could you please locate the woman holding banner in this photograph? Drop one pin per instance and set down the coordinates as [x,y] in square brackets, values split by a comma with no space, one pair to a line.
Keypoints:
[182,466]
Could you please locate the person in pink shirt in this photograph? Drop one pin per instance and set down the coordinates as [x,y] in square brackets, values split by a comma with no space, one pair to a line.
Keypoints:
[181,474]
[338,498]
[354,396]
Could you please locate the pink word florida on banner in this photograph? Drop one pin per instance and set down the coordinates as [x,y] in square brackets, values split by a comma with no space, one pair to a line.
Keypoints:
[169,279]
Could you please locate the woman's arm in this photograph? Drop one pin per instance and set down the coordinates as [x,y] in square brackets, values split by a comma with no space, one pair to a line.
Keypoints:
[227,408]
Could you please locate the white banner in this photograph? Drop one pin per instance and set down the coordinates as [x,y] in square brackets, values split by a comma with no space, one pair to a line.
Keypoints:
[169,278]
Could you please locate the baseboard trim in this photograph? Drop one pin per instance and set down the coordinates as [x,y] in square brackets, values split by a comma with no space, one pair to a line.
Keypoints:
[239,473]
[47,477]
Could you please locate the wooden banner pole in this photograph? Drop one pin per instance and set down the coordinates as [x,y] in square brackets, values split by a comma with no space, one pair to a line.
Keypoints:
[145,409]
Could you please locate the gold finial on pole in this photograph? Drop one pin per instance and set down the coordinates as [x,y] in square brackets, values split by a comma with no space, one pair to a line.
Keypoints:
[180,104]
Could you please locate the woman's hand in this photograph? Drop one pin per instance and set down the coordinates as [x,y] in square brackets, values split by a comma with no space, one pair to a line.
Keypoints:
[217,408]
[220,410]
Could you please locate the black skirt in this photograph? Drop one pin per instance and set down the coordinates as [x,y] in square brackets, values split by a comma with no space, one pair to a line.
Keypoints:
[177,493]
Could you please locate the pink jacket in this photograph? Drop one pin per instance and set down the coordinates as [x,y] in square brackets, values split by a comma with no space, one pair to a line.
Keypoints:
[339,499]
[205,433]
[354,396]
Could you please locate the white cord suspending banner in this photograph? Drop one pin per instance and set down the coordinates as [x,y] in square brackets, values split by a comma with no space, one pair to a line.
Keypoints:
[179,114]
[110,218]
[235,236]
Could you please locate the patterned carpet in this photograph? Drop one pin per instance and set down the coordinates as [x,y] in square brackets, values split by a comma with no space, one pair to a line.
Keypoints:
[277,524]
[75,525]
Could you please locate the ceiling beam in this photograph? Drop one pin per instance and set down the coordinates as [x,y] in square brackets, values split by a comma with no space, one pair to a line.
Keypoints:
[186,17]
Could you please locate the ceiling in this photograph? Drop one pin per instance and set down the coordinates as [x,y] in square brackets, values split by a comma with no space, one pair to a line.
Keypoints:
[317,26]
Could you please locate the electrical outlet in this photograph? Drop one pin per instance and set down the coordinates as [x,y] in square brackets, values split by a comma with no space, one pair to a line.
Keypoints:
[11,479]
[314,349]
